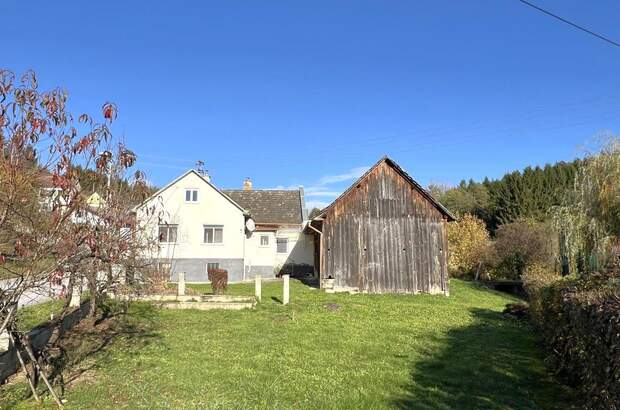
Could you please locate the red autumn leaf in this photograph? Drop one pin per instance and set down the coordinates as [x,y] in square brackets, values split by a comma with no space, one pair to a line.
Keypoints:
[127,158]
[109,111]
[82,145]
[59,181]
[20,249]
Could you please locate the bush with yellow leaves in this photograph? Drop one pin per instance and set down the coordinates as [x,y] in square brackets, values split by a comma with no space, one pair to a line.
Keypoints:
[468,239]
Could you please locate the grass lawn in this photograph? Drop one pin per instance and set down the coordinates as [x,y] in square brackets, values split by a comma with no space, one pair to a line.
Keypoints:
[31,316]
[322,351]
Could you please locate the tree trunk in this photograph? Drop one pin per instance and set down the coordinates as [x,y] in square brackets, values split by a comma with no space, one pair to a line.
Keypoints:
[69,291]
[92,285]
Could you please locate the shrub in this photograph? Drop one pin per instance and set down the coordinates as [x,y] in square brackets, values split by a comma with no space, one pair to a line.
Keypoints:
[519,245]
[538,276]
[468,239]
[579,320]
[536,279]
[219,280]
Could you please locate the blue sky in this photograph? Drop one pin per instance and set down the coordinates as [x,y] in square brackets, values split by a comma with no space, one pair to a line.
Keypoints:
[292,93]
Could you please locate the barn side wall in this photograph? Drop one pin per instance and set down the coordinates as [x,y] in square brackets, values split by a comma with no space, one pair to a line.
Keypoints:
[385,236]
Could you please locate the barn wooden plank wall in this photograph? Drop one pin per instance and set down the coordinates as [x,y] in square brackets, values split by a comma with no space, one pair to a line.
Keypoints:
[385,236]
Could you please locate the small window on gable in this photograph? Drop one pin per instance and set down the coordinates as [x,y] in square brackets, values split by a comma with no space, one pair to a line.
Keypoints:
[264,240]
[282,245]
[191,195]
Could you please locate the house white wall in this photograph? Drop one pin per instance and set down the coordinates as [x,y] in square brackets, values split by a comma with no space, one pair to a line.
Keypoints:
[189,253]
[258,255]
[267,261]
[241,252]
[300,247]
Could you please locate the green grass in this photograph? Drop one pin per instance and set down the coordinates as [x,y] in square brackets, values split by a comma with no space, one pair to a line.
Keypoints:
[11,269]
[31,316]
[322,351]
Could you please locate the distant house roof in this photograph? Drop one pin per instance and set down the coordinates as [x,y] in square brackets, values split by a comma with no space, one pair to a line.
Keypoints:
[271,206]
[442,209]
[45,179]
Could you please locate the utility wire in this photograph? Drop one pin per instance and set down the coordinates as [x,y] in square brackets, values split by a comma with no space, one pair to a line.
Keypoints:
[555,16]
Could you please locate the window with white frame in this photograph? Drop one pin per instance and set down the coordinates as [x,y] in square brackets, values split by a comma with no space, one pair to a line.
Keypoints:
[191,195]
[164,267]
[282,245]
[213,234]
[167,233]
[212,265]
[49,197]
[264,240]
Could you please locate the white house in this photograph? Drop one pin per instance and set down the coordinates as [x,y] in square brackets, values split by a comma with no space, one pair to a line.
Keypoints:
[247,232]
[51,197]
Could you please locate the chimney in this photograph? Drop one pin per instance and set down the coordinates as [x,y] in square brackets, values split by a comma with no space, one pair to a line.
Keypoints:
[247,184]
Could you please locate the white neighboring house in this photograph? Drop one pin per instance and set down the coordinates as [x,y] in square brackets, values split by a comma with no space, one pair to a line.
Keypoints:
[51,197]
[247,232]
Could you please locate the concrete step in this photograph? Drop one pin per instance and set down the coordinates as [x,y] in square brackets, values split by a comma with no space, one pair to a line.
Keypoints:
[209,305]
[227,298]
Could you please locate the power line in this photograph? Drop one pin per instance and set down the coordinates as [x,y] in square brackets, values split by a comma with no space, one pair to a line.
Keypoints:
[577,26]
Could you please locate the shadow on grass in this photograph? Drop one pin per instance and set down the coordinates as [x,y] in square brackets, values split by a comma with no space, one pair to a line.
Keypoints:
[309,281]
[73,354]
[493,363]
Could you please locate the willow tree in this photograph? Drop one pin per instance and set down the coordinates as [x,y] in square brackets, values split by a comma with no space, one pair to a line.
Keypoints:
[589,220]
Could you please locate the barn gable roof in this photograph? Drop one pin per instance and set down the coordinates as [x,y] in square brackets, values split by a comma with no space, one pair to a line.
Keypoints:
[387,160]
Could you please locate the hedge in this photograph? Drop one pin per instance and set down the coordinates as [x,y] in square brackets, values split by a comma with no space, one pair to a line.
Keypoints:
[579,320]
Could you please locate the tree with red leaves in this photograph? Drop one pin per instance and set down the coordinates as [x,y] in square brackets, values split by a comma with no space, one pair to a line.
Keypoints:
[48,231]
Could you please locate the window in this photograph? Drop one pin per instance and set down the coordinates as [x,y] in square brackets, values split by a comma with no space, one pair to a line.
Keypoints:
[164,267]
[282,245]
[191,195]
[264,240]
[212,265]
[168,233]
[213,234]
[49,197]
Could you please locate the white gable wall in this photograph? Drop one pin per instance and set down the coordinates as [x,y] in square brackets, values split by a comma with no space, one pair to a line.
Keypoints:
[189,253]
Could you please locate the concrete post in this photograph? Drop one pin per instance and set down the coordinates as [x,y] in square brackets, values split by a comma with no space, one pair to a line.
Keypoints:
[181,284]
[76,295]
[257,287]
[4,341]
[122,275]
[286,291]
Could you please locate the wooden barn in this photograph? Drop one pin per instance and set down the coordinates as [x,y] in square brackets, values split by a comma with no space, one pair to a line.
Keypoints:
[384,234]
